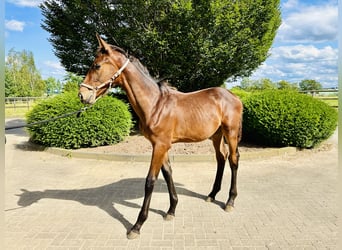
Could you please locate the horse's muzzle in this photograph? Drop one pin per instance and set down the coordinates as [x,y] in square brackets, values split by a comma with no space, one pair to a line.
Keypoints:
[87,97]
[81,97]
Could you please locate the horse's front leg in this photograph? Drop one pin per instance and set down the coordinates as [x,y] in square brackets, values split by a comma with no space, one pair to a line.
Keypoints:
[167,173]
[158,157]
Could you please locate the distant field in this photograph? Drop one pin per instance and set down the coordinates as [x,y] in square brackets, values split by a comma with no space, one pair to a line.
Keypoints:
[331,101]
[19,111]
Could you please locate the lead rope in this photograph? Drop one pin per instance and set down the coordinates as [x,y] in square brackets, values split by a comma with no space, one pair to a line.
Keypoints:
[78,113]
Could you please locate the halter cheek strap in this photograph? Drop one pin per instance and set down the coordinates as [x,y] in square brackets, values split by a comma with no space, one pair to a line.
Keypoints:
[109,82]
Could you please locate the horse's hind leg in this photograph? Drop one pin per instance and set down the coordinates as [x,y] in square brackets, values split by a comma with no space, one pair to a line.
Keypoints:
[233,139]
[167,173]
[221,157]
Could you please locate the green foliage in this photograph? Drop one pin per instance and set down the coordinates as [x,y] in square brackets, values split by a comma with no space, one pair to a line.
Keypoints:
[287,118]
[53,86]
[241,93]
[265,84]
[194,44]
[22,79]
[282,84]
[108,121]
[309,85]
[10,85]
[261,84]
[72,82]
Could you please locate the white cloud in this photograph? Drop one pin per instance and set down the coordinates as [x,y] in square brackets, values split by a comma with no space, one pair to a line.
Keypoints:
[299,62]
[306,44]
[14,25]
[26,3]
[305,53]
[310,24]
[290,4]
[54,69]
[54,65]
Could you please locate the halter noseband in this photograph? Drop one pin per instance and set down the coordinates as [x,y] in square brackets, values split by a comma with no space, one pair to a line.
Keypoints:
[109,82]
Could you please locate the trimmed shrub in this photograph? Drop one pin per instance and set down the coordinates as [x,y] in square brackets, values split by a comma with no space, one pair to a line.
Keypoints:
[107,122]
[287,118]
[242,94]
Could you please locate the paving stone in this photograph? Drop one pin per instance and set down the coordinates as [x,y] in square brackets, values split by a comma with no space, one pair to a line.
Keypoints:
[55,202]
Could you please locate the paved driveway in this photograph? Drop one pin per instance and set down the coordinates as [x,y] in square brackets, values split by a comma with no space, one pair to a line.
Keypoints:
[55,202]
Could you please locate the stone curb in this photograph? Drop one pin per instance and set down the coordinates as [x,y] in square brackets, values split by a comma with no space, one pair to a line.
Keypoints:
[173,157]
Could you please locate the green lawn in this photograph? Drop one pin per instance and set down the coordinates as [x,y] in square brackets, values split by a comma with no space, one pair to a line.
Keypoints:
[330,101]
[11,112]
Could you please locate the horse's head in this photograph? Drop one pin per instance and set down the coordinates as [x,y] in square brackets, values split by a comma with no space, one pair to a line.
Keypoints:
[104,73]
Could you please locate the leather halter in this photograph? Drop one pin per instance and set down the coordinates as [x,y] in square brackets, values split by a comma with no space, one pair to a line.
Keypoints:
[109,82]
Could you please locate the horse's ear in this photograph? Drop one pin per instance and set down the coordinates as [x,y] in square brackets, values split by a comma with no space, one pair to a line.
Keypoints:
[103,45]
[98,38]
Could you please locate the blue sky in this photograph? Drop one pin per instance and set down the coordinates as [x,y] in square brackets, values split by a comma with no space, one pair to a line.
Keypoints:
[305,46]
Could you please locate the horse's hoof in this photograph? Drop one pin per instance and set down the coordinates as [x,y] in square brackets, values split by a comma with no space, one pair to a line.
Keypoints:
[169,217]
[132,235]
[229,208]
[209,199]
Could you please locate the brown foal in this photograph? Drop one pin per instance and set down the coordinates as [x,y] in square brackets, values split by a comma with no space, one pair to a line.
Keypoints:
[168,116]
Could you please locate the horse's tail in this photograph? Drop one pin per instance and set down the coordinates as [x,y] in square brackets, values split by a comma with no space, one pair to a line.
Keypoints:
[240,127]
[240,130]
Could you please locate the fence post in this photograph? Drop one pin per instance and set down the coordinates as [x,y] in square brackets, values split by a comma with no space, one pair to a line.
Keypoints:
[20,103]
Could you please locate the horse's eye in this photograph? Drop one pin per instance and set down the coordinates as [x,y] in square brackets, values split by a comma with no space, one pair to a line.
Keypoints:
[97,66]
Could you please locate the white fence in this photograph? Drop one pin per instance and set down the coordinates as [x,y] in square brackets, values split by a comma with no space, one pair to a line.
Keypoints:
[325,95]
[20,102]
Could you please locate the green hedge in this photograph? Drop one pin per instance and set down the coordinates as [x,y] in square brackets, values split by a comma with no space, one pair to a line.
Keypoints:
[242,94]
[287,118]
[107,122]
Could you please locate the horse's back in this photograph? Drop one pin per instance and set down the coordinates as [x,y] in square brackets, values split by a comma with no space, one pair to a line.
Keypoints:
[210,96]
[197,115]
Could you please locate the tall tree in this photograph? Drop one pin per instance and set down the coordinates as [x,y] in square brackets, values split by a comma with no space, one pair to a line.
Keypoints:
[282,84]
[308,84]
[260,84]
[21,75]
[10,85]
[53,85]
[193,43]
[72,82]
[266,83]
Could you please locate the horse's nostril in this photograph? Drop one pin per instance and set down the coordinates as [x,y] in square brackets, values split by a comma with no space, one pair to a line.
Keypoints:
[80,96]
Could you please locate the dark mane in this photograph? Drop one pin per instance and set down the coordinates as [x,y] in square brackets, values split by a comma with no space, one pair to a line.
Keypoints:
[141,67]
[121,50]
[113,47]
[164,85]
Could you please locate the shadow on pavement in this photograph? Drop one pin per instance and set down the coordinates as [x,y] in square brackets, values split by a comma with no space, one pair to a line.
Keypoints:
[17,131]
[29,146]
[105,197]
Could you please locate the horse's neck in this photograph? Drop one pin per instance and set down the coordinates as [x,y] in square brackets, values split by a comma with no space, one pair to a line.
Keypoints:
[142,92]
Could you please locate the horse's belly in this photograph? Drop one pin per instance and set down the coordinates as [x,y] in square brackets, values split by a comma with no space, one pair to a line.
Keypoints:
[194,133]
